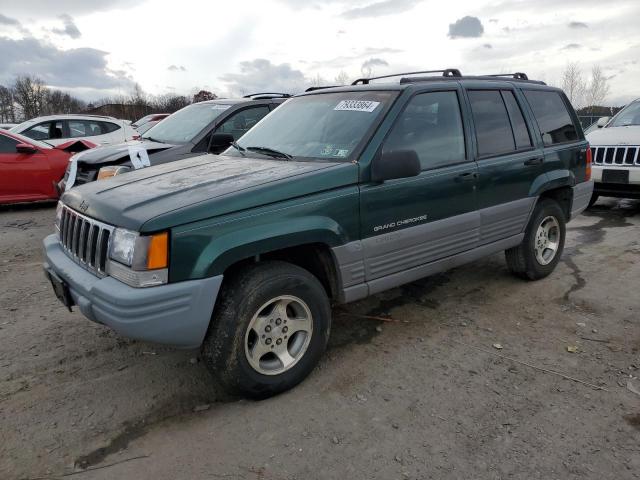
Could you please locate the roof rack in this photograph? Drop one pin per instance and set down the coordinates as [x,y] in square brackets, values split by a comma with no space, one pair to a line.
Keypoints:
[448,72]
[312,89]
[263,95]
[517,75]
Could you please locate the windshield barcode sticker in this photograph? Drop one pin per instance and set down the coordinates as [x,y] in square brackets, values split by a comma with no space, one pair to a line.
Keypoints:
[357,105]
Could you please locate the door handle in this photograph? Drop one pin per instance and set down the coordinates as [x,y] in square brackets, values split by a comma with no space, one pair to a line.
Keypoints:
[534,161]
[467,177]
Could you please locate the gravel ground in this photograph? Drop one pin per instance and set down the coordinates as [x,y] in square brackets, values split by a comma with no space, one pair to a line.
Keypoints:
[426,395]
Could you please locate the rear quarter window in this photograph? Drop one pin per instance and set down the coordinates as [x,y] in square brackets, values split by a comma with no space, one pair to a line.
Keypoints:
[552,116]
[108,127]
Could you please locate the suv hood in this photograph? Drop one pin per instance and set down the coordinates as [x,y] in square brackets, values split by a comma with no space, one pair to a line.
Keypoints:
[176,193]
[629,135]
[112,153]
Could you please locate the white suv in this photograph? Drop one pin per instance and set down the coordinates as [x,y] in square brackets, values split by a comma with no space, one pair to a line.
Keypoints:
[615,146]
[58,129]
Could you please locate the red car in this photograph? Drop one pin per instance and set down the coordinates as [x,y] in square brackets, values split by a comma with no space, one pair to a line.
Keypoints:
[30,170]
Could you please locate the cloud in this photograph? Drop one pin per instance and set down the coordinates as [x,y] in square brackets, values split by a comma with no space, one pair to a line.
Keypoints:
[488,46]
[466,27]
[48,8]
[578,25]
[571,46]
[176,68]
[69,29]
[379,9]
[374,62]
[83,68]
[261,75]
[4,20]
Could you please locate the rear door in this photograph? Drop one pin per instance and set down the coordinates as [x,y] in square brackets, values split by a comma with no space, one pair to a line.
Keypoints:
[509,163]
[413,221]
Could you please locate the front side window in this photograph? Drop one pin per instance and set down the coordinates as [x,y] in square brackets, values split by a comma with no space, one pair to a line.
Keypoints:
[325,126]
[38,132]
[552,116]
[239,123]
[431,125]
[7,144]
[185,124]
[491,121]
[629,115]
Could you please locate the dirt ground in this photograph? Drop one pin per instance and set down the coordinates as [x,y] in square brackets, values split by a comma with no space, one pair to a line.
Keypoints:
[427,395]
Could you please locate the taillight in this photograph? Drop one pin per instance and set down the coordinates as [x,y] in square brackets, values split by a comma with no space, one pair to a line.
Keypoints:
[589,160]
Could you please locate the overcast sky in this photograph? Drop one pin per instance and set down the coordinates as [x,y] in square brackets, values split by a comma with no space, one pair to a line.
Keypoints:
[99,48]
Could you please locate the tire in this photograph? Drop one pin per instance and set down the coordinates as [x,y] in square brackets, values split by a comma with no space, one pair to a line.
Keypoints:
[593,200]
[245,351]
[532,263]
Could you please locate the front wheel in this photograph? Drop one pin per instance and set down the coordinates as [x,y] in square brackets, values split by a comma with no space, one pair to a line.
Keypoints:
[269,330]
[541,249]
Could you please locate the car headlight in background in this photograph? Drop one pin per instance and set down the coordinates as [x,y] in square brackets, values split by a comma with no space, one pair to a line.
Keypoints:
[139,260]
[112,171]
[58,217]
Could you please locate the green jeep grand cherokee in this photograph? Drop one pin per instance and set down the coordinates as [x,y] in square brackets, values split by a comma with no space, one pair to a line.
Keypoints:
[338,194]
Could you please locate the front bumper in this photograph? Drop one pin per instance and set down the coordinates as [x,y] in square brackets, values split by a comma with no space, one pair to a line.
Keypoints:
[621,190]
[176,314]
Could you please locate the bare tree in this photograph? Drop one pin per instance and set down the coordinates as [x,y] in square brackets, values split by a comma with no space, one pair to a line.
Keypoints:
[598,89]
[342,78]
[203,95]
[30,94]
[573,84]
[7,107]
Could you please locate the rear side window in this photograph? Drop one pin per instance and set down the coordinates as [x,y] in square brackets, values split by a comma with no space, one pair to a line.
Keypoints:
[7,145]
[520,131]
[108,127]
[491,122]
[431,125]
[552,116]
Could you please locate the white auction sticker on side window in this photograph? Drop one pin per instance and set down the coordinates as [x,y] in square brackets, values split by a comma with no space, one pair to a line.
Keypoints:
[357,105]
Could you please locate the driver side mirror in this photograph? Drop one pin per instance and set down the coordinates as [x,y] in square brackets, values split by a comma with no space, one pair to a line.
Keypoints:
[220,142]
[26,148]
[602,121]
[395,164]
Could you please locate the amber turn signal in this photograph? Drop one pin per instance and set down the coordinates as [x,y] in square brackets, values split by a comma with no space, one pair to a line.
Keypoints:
[158,253]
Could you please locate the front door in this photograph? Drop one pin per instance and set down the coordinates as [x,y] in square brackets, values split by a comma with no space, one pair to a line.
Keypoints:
[413,221]
[23,176]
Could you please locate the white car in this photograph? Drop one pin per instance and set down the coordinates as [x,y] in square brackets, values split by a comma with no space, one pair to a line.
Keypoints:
[58,129]
[7,126]
[615,147]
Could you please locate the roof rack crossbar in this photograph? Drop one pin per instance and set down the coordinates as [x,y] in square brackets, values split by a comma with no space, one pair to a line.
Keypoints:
[268,94]
[516,75]
[448,72]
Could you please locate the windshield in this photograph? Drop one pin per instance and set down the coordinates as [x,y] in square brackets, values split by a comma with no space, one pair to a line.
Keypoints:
[630,115]
[185,124]
[328,126]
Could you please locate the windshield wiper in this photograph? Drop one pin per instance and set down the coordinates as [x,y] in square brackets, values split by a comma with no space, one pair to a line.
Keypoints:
[238,147]
[271,152]
[151,139]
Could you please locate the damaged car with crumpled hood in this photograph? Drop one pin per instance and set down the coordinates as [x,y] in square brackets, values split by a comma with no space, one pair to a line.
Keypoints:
[184,134]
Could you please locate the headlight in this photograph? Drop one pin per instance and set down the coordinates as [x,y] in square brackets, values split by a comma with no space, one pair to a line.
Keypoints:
[58,216]
[146,256]
[112,171]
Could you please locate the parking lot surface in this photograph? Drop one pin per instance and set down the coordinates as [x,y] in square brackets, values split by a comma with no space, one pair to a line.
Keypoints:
[468,374]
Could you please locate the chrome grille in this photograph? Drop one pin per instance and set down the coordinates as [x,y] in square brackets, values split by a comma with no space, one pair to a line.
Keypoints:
[623,156]
[85,240]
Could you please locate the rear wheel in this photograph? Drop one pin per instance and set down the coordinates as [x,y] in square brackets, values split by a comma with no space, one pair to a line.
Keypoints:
[540,251]
[270,329]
